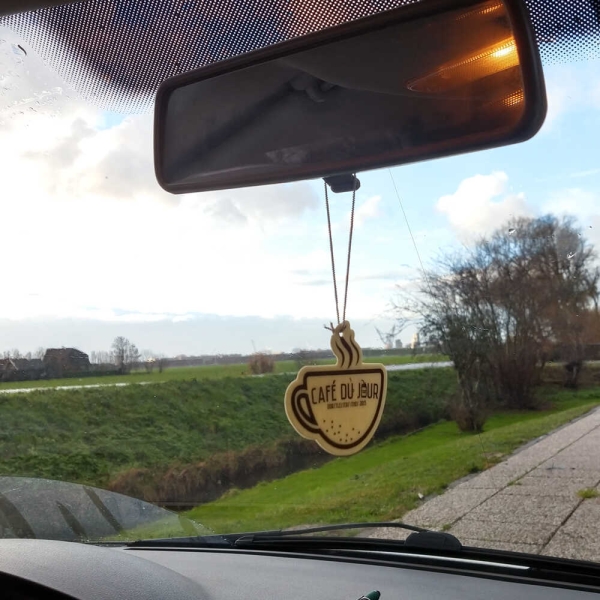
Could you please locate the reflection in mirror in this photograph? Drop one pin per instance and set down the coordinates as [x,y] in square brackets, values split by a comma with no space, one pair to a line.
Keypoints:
[373,95]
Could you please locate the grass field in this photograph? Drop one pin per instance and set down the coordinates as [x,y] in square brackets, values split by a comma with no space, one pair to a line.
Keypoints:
[91,435]
[383,482]
[202,372]
[94,435]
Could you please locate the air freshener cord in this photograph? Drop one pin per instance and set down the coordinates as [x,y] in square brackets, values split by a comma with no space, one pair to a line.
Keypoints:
[335,291]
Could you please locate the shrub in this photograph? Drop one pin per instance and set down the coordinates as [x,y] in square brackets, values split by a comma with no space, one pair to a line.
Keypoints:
[470,415]
[261,363]
[192,484]
[303,358]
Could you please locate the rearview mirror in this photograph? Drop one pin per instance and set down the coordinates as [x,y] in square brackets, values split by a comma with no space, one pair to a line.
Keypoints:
[430,79]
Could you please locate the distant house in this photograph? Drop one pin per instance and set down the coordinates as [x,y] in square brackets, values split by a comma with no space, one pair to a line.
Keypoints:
[7,369]
[29,369]
[21,369]
[61,362]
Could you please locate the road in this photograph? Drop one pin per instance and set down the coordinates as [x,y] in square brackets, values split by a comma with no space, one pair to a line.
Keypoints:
[532,502]
[414,366]
[73,387]
[408,367]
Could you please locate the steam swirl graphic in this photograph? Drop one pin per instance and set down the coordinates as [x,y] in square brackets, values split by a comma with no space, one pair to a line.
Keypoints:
[345,348]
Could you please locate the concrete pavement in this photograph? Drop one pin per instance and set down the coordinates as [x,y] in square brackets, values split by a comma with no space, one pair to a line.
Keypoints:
[531,502]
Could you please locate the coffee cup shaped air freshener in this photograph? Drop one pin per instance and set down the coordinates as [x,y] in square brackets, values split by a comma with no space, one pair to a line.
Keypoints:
[339,406]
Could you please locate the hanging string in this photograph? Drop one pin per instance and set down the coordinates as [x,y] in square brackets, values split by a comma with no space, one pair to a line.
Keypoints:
[337,306]
[335,291]
[349,247]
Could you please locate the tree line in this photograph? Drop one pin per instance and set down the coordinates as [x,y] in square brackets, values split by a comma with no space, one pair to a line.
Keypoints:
[123,354]
[126,356]
[16,354]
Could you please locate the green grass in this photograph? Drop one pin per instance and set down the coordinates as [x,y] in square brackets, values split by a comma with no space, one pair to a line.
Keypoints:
[201,372]
[588,493]
[174,374]
[383,482]
[92,435]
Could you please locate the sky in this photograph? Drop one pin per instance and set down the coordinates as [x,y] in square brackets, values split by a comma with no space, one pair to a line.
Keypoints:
[93,248]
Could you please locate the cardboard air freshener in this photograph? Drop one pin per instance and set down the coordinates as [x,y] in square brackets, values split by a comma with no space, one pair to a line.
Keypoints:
[338,406]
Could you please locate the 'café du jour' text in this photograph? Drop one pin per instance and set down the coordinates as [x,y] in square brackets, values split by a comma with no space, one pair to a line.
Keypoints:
[341,394]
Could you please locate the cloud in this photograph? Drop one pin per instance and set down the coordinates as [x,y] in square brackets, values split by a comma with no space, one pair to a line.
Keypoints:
[480,204]
[67,145]
[88,229]
[89,235]
[574,201]
[275,203]
[385,275]
[316,282]
[117,162]
[369,209]
[227,211]
[193,335]
[377,276]
[363,212]
[582,204]
[586,173]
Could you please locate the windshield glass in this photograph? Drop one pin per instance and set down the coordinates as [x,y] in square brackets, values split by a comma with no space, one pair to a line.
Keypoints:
[148,339]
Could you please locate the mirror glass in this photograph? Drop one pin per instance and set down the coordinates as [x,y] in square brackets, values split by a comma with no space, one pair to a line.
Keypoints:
[376,93]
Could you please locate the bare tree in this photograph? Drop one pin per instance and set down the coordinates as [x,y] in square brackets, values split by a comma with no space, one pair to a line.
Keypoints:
[132,356]
[163,363]
[119,350]
[302,358]
[106,357]
[499,308]
[40,353]
[125,354]
[15,353]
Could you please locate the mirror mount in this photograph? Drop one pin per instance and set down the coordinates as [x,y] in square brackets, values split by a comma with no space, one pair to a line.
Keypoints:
[339,184]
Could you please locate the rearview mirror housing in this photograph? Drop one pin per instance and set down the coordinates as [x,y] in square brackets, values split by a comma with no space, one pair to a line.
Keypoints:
[430,79]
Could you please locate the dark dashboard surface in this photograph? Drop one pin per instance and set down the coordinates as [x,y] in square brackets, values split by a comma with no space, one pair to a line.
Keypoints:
[91,572]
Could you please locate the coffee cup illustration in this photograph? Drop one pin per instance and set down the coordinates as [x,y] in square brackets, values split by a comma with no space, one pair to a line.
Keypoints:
[339,406]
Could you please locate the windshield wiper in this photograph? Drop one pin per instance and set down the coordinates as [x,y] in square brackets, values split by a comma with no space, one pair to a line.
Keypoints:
[419,538]
[245,538]
[192,541]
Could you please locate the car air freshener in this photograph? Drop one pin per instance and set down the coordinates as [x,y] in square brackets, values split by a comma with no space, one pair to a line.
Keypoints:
[339,406]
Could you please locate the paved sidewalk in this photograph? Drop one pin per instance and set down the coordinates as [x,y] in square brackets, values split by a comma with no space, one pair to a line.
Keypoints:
[529,502]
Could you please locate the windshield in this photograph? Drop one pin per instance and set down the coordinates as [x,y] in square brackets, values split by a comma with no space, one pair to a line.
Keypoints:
[148,339]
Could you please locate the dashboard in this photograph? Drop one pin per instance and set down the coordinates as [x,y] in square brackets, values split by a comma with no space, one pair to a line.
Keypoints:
[31,569]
